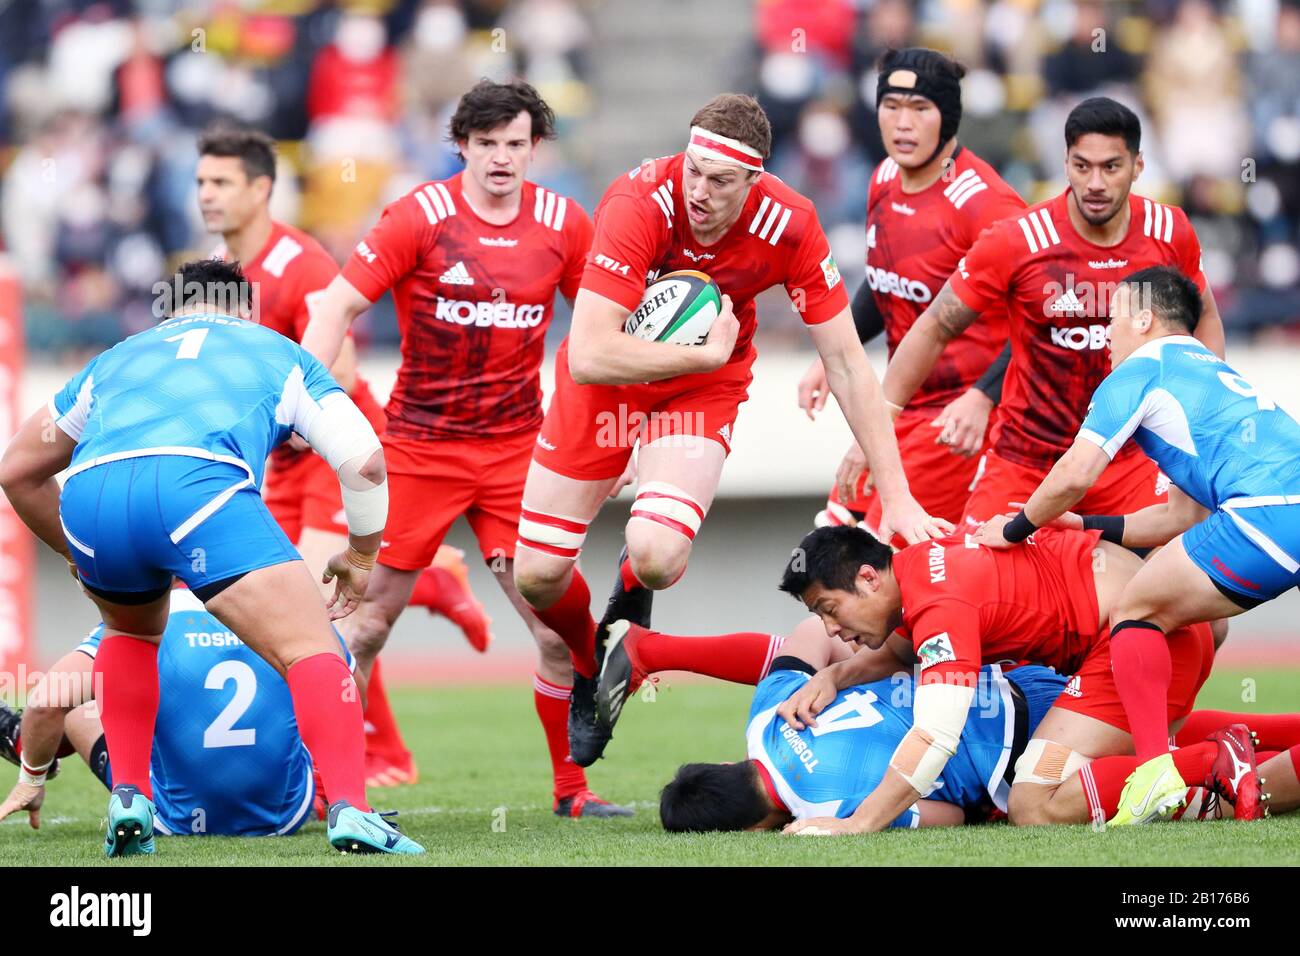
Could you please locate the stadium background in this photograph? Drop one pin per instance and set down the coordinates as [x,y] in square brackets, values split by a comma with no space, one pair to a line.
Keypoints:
[100,103]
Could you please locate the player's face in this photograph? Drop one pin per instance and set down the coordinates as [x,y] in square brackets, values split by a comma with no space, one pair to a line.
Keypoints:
[498,159]
[714,193]
[228,200]
[909,126]
[864,616]
[1129,323]
[1101,171]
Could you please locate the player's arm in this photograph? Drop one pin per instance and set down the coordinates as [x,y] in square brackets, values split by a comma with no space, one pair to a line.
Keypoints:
[869,321]
[1069,480]
[39,451]
[1150,527]
[867,664]
[943,320]
[963,421]
[1209,330]
[854,384]
[332,314]
[601,353]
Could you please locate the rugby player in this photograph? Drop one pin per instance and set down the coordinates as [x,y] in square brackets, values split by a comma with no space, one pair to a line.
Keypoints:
[164,438]
[928,201]
[288,269]
[474,263]
[1054,267]
[1232,520]
[227,760]
[711,208]
[828,770]
[956,605]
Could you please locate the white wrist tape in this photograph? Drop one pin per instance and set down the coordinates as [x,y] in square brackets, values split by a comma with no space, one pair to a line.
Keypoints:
[341,435]
[33,776]
[938,718]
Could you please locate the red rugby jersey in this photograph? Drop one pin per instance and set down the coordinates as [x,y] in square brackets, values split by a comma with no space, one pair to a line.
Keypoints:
[473,303]
[642,232]
[1057,288]
[965,605]
[914,241]
[286,274]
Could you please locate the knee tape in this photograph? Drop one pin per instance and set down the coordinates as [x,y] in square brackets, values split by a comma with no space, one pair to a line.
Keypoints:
[1047,762]
[669,506]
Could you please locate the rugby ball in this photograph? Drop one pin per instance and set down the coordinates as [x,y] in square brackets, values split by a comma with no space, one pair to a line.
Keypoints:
[679,308]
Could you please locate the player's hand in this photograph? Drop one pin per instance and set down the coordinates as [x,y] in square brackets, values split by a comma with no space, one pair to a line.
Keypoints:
[911,521]
[801,708]
[962,423]
[850,472]
[990,532]
[823,826]
[625,479]
[350,573]
[24,796]
[721,341]
[814,389]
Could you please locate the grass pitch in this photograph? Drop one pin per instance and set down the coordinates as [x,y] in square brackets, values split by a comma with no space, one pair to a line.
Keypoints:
[483,799]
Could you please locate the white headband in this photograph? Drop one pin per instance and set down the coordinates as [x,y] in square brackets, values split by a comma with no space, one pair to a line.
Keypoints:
[710,145]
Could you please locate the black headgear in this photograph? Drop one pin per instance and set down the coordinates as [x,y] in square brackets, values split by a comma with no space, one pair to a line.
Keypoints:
[917,71]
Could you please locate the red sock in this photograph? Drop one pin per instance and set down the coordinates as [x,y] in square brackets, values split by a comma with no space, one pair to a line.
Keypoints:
[570,617]
[552,703]
[126,676]
[1275,731]
[628,576]
[382,736]
[743,658]
[1103,779]
[328,709]
[436,588]
[1140,663]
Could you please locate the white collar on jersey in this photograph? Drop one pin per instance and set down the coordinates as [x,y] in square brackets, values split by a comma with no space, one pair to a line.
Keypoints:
[1152,349]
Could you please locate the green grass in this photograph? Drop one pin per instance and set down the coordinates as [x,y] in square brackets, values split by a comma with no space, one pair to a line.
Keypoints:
[482,762]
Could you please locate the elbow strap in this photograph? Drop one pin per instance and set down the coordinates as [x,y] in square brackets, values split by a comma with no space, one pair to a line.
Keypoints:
[939,716]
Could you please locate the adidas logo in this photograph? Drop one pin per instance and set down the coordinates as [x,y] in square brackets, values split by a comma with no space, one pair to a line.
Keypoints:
[545,444]
[1068,304]
[1072,688]
[457,275]
[725,432]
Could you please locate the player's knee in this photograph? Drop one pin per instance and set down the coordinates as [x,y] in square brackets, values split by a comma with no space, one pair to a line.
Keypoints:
[547,549]
[1027,806]
[658,561]
[540,583]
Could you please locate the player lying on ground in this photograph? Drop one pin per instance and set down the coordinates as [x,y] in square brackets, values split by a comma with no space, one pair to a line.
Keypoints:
[869,720]
[829,769]
[1233,519]
[288,271]
[1054,267]
[474,262]
[164,437]
[928,202]
[227,757]
[708,207]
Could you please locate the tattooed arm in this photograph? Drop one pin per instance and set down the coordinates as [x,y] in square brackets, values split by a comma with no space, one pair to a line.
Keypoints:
[945,319]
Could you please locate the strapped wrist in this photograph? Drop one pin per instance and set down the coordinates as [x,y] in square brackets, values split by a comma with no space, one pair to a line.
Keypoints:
[359,559]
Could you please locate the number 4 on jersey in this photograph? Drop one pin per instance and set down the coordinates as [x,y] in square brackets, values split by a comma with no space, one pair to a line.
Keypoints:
[852,713]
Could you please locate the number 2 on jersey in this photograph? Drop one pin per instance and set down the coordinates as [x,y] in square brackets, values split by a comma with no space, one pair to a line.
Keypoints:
[191,342]
[222,731]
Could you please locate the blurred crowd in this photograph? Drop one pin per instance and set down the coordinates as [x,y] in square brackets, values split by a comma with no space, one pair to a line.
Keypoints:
[100,102]
[1217,85]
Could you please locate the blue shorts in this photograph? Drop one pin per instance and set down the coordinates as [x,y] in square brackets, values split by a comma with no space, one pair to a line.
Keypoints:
[134,523]
[1041,686]
[1249,552]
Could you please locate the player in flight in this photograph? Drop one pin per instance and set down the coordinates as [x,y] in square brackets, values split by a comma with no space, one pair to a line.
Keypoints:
[709,207]
[163,439]
[1053,268]
[1232,522]
[928,202]
[227,760]
[474,263]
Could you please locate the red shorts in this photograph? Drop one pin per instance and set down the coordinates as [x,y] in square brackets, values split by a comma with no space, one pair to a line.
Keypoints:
[304,493]
[432,483]
[1128,484]
[940,481]
[590,430]
[1092,692]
